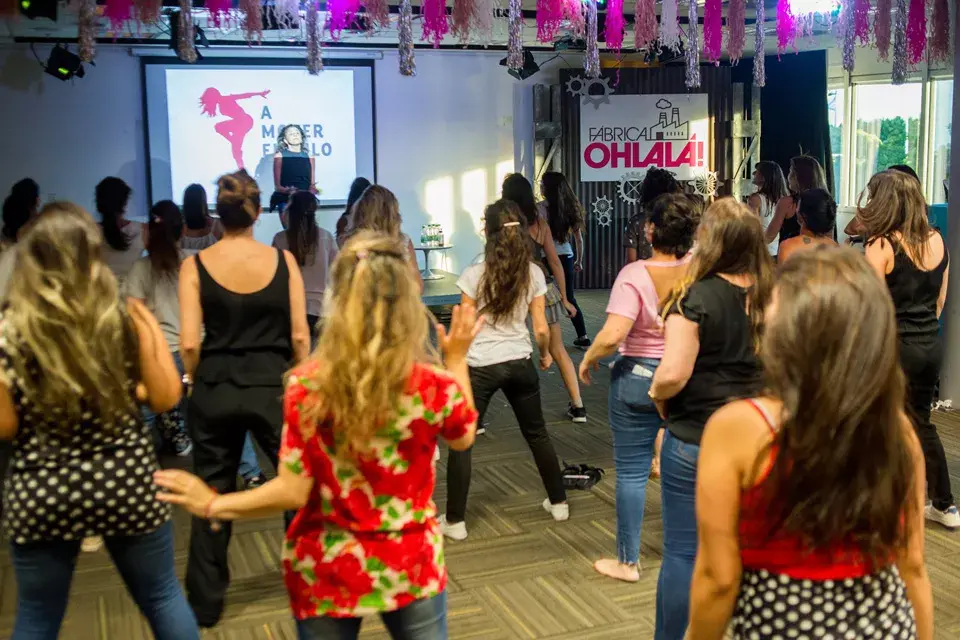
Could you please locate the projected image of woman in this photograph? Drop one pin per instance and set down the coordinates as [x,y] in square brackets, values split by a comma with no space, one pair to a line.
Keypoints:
[239,124]
[292,166]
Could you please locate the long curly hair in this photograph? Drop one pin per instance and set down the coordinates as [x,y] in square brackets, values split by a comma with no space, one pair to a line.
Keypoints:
[843,471]
[72,335]
[302,231]
[374,334]
[564,211]
[282,140]
[507,256]
[895,204]
[730,240]
[209,101]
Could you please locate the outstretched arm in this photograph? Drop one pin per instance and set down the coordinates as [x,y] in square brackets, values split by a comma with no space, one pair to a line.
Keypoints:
[244,96]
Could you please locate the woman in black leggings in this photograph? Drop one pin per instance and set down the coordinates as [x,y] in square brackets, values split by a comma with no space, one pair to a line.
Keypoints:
[249,298]
[506,287]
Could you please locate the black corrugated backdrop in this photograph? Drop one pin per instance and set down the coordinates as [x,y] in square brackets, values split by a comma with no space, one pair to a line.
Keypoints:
[604,254]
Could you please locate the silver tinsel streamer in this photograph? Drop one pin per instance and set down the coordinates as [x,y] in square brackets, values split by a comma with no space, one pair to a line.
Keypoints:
[846,30]
[759,71]
[591,62]
[186,50]
[87,30]
[515,37]
[899,75]
[314,55]
[408,66]
[693,47]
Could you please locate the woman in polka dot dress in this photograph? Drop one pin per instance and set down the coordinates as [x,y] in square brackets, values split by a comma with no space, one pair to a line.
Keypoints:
[75,362]
[810,498]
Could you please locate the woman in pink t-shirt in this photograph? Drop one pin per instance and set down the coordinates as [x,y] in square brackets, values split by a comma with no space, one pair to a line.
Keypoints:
[633,324]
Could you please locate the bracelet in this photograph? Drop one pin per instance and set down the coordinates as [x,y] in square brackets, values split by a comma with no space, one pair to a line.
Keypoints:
[209,508]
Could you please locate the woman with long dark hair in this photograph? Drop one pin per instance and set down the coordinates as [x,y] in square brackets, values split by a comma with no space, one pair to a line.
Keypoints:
[123,240]
[656,183]
[83,463]
[357,187]
[713,317]
[153,281]
[805,173]
[248,299]
[771,187]
[506,288]
[564,215]
[913,260]
[810,497]
[200,229]
[817,213]
[634,325]
[518,190]
[312,247]
[18,208]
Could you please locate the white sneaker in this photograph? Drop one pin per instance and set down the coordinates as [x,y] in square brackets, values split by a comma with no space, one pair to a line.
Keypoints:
[950,518]
[454,531]
[560,512]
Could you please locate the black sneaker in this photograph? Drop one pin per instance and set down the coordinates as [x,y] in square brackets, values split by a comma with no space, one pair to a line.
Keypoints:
[583,343]
[255,481]
[577,414]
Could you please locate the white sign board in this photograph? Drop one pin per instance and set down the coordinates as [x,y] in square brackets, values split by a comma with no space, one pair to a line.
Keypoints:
[632,133]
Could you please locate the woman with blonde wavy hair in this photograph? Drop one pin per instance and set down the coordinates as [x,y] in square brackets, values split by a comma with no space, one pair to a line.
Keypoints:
[713,317]
[378,210]
[913,260]
[362,419]
[75,363]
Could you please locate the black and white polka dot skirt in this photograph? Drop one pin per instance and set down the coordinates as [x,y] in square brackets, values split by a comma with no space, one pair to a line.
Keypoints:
[777,607]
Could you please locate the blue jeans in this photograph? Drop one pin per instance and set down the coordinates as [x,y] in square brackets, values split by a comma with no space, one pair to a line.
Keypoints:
[420,620]
[44,571]
[249,465]
[635,423]
[678,483]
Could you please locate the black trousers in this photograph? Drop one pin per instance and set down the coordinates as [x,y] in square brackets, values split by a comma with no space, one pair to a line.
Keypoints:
[520,383]
[220,415]
[568,275]
[921,359]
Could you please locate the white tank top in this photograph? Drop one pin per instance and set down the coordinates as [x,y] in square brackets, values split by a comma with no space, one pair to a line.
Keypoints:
[767,209]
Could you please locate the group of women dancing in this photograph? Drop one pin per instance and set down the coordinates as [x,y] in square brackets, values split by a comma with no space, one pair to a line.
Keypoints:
[796,462]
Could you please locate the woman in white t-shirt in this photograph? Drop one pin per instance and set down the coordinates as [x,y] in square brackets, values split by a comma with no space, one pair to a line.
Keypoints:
[771,187]
[122,240]
[506,287]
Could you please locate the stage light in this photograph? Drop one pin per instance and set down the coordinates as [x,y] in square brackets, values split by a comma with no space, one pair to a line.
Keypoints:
[39,9]
[529,67]
[64,65]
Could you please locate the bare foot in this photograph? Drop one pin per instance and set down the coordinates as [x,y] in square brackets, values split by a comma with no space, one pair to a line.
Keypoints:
[614,569]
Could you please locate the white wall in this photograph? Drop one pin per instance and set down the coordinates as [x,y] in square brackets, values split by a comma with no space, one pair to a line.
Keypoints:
[445,137]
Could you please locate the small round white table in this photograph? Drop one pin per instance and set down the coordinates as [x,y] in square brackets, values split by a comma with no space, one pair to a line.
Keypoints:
[427,274]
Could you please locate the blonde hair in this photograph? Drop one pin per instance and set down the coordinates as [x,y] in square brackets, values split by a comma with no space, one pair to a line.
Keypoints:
[375,332]
[72,341]
[895,204]
[730,240]
[376,210]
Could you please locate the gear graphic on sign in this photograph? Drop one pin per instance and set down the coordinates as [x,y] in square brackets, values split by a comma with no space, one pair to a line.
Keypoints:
[575,85]
[596,99]
[603,210]
[629,187]
[705,184]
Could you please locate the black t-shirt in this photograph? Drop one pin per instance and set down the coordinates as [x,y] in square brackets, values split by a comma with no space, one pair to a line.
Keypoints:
[727,367]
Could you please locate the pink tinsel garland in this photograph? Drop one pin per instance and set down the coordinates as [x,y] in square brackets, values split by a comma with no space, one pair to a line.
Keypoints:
[461,19]
[219,11]
[433,13]
[573,12]
[644,24]
[786,25]
[881,29]
[940,31]
[148,11]
[861,21]
[736,29]
[916,31]
[713,30]
[379,13]
[252,19]
[118,12]
[340,14]
[87,30]
[614,25]
[549,19]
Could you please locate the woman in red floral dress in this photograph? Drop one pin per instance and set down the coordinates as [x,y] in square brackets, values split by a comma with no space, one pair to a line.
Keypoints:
[362,419]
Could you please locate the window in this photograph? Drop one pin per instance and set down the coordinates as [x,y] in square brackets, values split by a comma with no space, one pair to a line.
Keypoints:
[835,108]
[888,129]
[941,119]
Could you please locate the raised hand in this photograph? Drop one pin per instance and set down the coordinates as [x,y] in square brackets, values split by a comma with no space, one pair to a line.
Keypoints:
[464,327]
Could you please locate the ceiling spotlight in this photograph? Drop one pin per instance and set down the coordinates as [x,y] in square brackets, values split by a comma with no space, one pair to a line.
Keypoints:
[529,67]
[64,65]
[38,9]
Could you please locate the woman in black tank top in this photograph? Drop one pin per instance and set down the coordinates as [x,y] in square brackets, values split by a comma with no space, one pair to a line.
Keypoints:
[903,249]
[250,341]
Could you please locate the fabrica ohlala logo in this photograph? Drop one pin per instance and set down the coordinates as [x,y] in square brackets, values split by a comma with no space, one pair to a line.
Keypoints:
[667,144]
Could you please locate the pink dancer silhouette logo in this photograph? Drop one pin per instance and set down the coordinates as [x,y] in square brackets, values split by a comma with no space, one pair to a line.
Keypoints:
[239,122]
